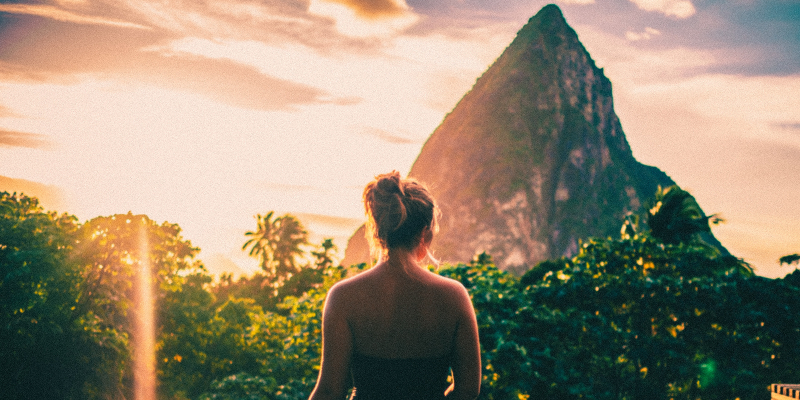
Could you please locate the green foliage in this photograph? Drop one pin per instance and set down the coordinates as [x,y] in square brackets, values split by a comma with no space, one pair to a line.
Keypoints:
[261,286]
[51,347]
[237,349]
[790,259]
[257,287]
[66,297]
[242,386]
[635,318]
[186,317]
[675,217]
[108,250]
[324,256]
[495,296]
[245,351]
[278,244]
[648,315]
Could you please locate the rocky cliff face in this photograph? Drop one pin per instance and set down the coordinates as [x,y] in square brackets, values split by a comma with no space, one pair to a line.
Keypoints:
[533,158]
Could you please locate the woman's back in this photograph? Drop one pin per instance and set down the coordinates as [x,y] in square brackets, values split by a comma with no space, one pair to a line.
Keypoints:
[397,330]
[398,313]
[404,323]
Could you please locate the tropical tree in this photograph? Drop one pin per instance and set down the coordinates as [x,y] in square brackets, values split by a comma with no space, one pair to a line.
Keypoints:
[237,349]
[50,346]
[790,259]
[278,244]
[109,248]
[108,251]
[675,217]
[632,318]
[262,240]
[289,249]
[312,276]
[324,256]
[792,278]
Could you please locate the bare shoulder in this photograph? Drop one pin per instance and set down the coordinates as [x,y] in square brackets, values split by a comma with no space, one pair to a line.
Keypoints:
[447,282]
[344,288]
[349,287]
[452,287]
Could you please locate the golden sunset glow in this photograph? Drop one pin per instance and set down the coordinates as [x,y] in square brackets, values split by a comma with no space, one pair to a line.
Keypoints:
[205,115]
[365,22]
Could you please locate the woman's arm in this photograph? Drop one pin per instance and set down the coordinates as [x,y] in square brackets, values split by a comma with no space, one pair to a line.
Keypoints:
[467,358]
[337,345]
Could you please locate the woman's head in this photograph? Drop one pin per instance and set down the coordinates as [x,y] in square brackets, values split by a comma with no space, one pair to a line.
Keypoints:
[399,211]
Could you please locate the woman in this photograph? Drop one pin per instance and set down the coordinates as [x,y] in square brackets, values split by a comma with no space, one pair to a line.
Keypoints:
[396,330]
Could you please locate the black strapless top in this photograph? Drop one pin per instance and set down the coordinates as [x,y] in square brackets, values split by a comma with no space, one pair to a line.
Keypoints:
[399,379]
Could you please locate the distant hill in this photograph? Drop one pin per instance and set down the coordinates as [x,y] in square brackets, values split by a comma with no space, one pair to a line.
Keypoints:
[50,197]
[533,158]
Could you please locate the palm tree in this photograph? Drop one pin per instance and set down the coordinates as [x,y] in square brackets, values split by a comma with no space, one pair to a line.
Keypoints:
[790,259]
[292,237]
[261,240]
[676,217]
[278,244]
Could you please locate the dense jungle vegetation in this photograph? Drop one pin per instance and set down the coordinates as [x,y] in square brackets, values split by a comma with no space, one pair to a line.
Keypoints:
[655,313]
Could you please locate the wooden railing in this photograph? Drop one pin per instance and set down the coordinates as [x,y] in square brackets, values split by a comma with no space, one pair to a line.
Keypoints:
[782,391]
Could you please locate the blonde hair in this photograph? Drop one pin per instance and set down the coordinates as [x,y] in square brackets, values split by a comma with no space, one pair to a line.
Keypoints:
[398,211]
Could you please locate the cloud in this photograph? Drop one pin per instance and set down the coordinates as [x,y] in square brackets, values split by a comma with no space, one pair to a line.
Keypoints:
[23,139]
[5,112]
[51,50]
[222,80]
[40,49]
[646,35]
[14,72]
[375,8]
[353,21]
[68,3]
[635,65]
[680,9]
[42,42]
[387,136]
[793,127]
[346,222]
[268,21]
[55,13]
[343,101]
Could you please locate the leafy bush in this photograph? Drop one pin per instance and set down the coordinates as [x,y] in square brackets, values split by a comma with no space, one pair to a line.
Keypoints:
[634,318]
[626,318]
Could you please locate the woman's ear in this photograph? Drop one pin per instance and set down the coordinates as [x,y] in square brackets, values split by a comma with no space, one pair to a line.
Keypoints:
[425,240]
[427,237]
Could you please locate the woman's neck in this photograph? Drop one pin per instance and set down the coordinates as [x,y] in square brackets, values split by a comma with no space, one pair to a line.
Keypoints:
[400,259]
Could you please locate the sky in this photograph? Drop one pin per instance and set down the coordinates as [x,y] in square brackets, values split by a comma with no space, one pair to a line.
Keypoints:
[207,113]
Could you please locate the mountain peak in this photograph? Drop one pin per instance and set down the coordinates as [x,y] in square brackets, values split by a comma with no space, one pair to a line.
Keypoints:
[549,15]
[548,25]
[550,11]
[533,159]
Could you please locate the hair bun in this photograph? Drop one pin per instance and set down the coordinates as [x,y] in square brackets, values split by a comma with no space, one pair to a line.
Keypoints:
[390,208]
[390,183]
[398,210]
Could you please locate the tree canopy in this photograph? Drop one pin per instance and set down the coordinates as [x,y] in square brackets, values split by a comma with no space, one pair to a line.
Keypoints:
[278,244]
[644,315]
